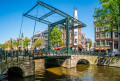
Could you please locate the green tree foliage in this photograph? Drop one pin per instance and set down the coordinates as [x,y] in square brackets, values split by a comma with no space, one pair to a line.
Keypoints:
[56,37]
[17,43]
[108,15]
[26,43]
[0,45]
[38,42]
[90,43]
[9,45]
[4,46]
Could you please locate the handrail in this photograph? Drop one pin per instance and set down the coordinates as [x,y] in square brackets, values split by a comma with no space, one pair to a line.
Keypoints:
[17,55]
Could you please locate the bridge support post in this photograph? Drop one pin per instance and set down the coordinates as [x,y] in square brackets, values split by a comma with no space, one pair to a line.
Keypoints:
[67,35]
[39,64]
[49,34]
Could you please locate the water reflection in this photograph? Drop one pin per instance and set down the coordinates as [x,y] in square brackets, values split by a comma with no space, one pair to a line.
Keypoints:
[80,73]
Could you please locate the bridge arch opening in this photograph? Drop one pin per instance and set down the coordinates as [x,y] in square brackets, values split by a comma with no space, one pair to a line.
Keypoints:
[56,62]
[14,71]
[83,61]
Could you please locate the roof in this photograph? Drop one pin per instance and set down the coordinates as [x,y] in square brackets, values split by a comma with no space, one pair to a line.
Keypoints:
[6,42]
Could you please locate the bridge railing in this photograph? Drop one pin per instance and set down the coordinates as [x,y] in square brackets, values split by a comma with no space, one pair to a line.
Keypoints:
[92,53]
[10,55]
[17,55]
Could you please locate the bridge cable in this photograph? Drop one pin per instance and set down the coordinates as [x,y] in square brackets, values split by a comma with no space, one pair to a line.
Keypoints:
[35,26]
[21,27]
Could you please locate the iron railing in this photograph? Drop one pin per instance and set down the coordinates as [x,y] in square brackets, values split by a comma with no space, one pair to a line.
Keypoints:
[17,55]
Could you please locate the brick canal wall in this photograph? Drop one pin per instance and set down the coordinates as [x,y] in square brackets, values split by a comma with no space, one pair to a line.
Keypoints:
[39,64]
[26,66]
[94,60]
[109,61]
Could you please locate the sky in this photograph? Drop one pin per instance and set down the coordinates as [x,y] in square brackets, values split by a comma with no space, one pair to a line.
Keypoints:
[11,12]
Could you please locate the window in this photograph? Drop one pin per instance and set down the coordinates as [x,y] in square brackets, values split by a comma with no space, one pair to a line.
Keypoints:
[81,42]
[97,29]
[116,35]
[98,43]
[97,36]
[102,29]
[76,41]
[108,34]
[102,35]
[71,34]
[71,41]
[63,35]
[102,43]
[75,34]
[115,44]
[107,43]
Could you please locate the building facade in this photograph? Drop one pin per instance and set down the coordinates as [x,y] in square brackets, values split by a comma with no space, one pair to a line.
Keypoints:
[83,41]
[104,41]
[44,35]
[74,34]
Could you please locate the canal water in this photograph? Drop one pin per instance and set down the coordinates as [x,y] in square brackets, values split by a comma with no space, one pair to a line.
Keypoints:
[81,73]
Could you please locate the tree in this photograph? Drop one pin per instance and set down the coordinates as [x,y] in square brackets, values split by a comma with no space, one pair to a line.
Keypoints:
[0,45]
[17,43]
[26,43]
[38,42]
[108,16]
[90,43]
[56,37]
[9,45]
[4,46]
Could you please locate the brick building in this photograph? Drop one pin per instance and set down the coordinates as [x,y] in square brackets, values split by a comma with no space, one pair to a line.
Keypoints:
[75,35]
[103,41]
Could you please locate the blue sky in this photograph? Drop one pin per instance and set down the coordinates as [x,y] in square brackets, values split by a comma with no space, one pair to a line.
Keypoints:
[11,16]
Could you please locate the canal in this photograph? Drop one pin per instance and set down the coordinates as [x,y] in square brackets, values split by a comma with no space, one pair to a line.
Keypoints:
[81,73]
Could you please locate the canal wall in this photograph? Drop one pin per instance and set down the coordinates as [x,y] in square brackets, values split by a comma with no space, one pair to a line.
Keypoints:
[22,67]
[39,64]
[109,61]
[73,60]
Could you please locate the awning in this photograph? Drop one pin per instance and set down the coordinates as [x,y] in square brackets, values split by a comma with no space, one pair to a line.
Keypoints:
[80,47]
[101,48]
[96,48]
[58,48]
[105,48]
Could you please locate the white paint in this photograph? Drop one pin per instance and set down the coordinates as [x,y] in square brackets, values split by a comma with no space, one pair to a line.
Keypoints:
[75,30]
